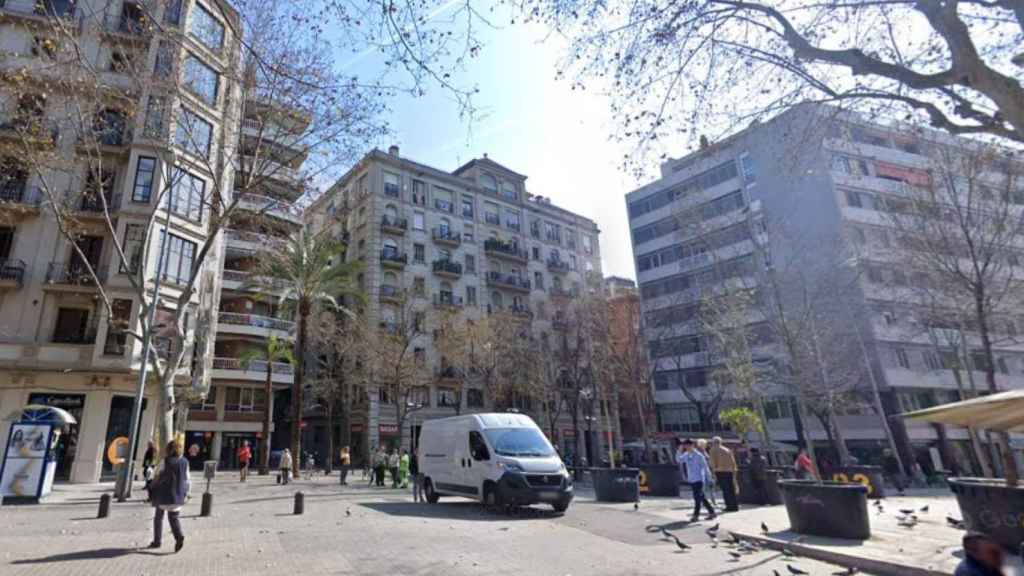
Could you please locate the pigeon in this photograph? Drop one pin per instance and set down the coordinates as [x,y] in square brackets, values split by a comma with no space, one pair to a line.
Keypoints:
[348,511]
[636,505]
[764,528]
[923,510]
[794,570]
[682,545]
[735,555]
[713,529]
[906,511]
[788,553]
[954,522]
[665,534]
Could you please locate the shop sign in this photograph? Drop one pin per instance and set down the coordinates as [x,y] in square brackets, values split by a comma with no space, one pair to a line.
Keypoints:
[388,429]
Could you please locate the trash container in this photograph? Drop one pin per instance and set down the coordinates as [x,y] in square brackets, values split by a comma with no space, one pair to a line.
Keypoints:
[991,507]
[831,509]
[870,476]
[616,484]
[659,480]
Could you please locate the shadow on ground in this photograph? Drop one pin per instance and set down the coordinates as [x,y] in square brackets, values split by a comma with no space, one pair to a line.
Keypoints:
[458,511]
[97,554]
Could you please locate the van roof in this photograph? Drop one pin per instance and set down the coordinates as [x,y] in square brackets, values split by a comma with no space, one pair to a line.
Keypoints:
[493,420]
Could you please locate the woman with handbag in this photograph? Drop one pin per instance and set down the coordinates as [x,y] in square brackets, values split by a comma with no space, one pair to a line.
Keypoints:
[168,494]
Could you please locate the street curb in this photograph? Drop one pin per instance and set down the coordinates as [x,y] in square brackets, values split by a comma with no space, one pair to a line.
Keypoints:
[869,565]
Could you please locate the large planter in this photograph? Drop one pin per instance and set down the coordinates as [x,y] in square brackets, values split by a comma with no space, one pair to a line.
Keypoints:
[659,480]
[991,507]
[870,476]
[616,484]
[760,488]
[831,509]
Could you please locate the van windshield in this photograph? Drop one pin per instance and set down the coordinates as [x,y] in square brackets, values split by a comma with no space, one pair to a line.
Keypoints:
[519,442]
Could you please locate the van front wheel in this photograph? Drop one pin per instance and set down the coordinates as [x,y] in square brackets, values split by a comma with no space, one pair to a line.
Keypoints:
[429,493]
[560,506]
[492,498]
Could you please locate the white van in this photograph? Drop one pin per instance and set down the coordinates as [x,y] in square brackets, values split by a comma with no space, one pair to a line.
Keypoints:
[499,459]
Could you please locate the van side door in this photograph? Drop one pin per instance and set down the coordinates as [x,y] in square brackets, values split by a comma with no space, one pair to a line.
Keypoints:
[475,464]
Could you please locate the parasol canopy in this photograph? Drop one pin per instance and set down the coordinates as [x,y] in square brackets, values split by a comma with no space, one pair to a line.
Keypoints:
[42,414]
[1002,412]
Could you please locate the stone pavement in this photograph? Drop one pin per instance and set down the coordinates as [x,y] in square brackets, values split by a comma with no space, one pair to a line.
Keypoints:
[363,530]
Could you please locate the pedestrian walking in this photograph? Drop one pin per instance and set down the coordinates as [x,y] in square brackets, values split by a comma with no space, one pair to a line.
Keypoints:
[393,461]
[696,472]
[403,469]
[168,494]
[803,466]
[285,466]
[417,479]
[701,445]
[723,465]
[346,461]
[244,456]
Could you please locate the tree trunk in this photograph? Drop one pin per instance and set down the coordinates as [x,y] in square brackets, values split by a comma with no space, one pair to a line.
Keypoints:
[1009,464]
[641,414]
[979,453]
[268,409]
[165,405]
[300,373]
[766,435]
[839,441]
[329,460]
[801,409]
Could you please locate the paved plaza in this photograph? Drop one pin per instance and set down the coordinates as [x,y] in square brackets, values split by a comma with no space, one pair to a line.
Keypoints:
[363,530]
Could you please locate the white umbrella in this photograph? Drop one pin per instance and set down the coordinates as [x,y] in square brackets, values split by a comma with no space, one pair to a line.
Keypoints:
[41,413]
[1002,412]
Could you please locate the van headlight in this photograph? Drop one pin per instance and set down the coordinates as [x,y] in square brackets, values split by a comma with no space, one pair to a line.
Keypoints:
[510,466]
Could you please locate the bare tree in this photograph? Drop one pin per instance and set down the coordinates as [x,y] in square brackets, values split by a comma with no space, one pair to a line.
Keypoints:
[715,65]
[628,366]
[960,234]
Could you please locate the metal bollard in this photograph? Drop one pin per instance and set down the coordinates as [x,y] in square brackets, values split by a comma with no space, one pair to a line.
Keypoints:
[278,477]
[104,506]
[300,503]
[207,506]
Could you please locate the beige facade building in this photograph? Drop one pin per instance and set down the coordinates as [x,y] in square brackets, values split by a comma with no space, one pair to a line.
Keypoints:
[176,131]
[472,240]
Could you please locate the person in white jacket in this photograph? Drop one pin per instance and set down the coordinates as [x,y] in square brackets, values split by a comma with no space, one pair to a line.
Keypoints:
[285,467]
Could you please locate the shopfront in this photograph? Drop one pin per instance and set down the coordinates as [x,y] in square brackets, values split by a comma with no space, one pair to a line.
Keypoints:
[67,445]
[230,444]
[119,424]
[198,447]
[390,439]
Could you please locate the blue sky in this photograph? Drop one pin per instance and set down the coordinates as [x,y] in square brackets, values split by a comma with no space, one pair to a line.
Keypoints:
[533,124]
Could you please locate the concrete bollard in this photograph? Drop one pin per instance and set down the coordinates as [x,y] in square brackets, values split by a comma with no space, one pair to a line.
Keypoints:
[207,507]
[104,506]
[300,503]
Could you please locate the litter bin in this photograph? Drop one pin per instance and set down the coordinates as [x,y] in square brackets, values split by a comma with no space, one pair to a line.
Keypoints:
[659,480]
[760,488]
[616,484]
[831,509]
[991,507]
[870,476]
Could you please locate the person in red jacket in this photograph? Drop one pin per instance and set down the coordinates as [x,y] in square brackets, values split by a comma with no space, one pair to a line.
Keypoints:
[804,467]
[244,456]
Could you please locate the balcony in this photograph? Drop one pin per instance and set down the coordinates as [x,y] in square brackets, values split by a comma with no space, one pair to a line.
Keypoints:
[447,300]
[270,206]
[12,274]
[514,309]
[393,259]
[447,268]
[17,198]
[389,293]
[130,25]
[61,274]
[559,292]
[506,250]
[558,266]
[245,280]
[252,241]
[394,225]
[30,130]
[252,324]
[109,136]
[256,370]
[450,373]
[38,10]
[90,204]
[510,281]
[446,237]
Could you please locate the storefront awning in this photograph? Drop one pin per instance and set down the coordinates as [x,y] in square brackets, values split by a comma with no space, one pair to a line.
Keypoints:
[1003,412]
[42,414]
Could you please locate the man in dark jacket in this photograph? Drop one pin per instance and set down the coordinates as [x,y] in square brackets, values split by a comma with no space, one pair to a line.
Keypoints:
[982,556]
[168,494]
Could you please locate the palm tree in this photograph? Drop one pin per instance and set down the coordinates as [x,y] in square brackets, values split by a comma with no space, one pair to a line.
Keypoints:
[306,270]
[276,350]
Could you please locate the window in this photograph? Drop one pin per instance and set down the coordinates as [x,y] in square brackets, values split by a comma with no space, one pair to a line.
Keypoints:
[467,207]
[201,80]
[588,245]
[467,234]
[237,399]
[142,190]
[553,232]
[115,344]
[187,194]
[164,66]
[172,12]
[419,286]
[489,183]
[538,280]
[178,259]
[747,168]
[853,199]
[72,326]
[477,447]
[6,243]
[512,219]
[931,360]
[471,295]
[474,398]
[419,253]
[134,236]
[392,184]
[491,214]
[1001,365]
[383,395]
[572,261]
[447,398]
[154,122]
[418,221]
[901,358]
[470,264]
[206,29]
[874,274]
[419,355]
[194,134]
[443,200]
[508,190]
[535,228]
[858,236]
[419,192]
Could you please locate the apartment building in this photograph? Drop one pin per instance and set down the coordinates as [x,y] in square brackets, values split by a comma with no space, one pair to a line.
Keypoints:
[472,240]
[267,186]
[807,181]
[144,135]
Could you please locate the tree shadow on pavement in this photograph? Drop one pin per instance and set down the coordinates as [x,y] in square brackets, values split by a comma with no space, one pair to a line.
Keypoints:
[97,554]
[458,511]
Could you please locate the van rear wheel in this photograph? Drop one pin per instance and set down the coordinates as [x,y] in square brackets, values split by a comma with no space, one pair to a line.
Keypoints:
[429,493]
